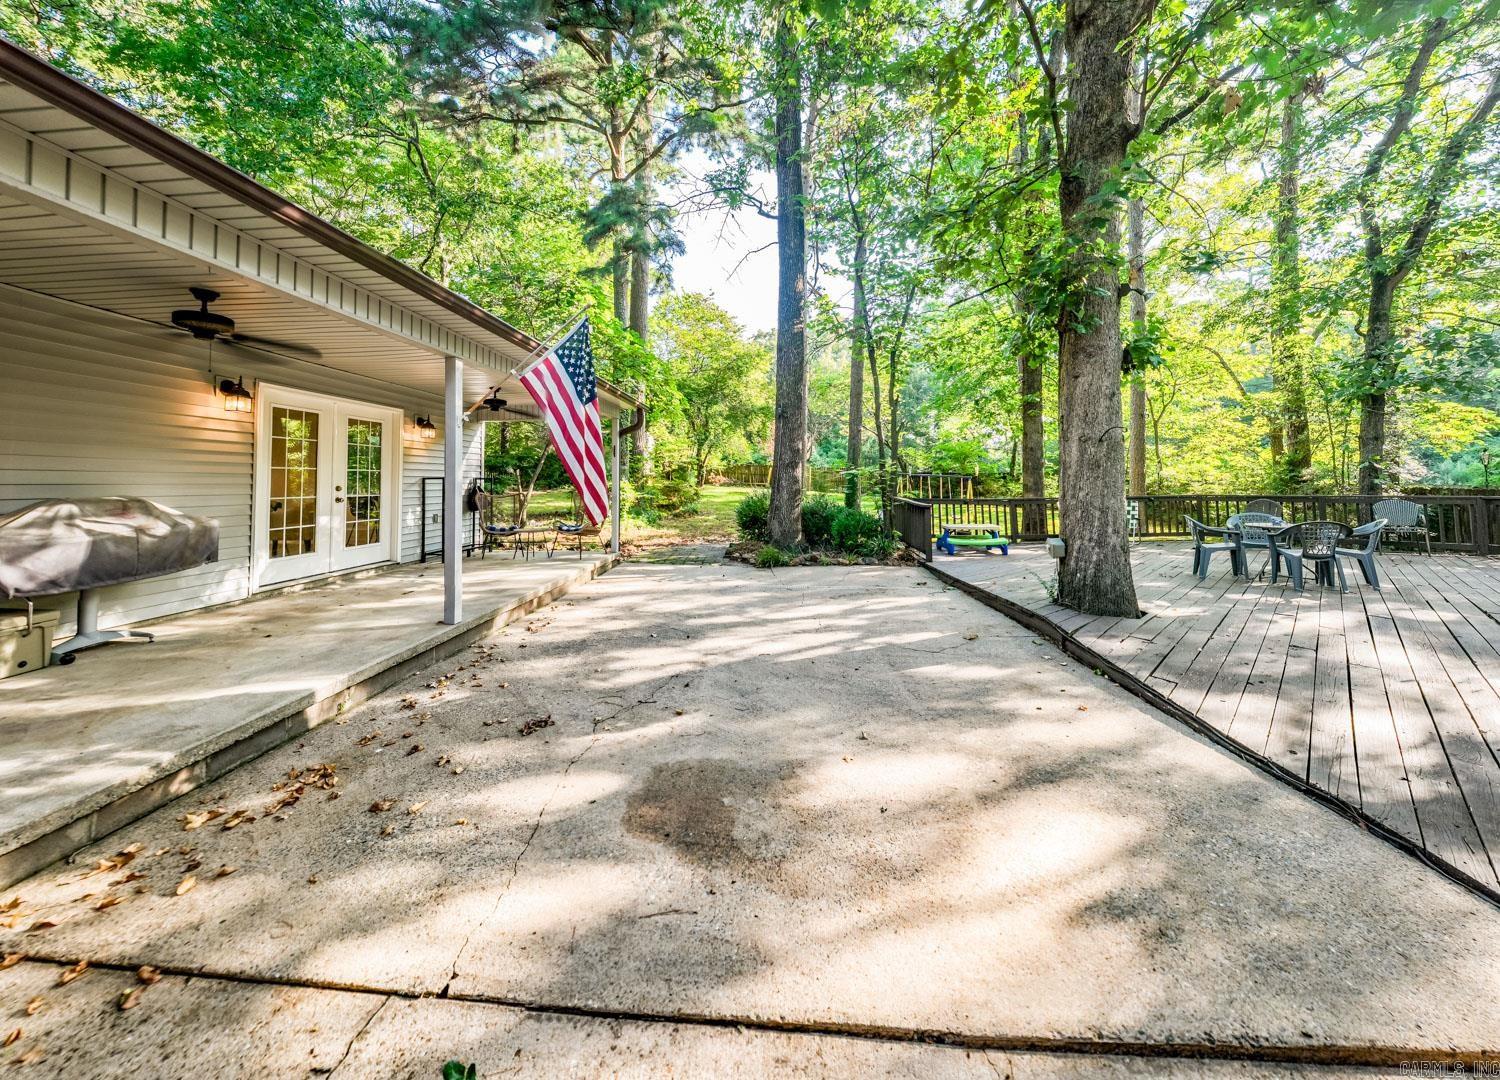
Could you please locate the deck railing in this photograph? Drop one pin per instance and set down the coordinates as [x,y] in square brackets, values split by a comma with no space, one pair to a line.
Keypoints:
[912,520]
[1460,523]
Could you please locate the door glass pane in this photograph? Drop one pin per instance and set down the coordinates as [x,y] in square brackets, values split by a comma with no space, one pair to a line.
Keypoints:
[294,482]
[362,483]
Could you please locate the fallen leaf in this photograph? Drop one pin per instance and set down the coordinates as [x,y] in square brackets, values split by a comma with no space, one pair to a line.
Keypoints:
[11,959]
[12,1038]
[11,904]
[108,902]
[332,795]
[201,818]
[381,806]
[462,821]
[72,973]
[40,924]
[458,770]
[148,974]
[416,808]
[239,817]
[389,830]
[312,879]
[35,1005]
[131,998]
[134,875]
[414,748]
[186,885]
[31,1057]
[225,871]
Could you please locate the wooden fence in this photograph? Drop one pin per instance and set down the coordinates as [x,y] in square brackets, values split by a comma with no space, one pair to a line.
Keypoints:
[1462,523]
[813,478]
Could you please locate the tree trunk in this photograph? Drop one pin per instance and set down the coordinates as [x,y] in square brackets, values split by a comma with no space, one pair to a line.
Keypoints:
[1286,301]
[644,444]
[1033,443]
[857,375]
[791,291]
[1377,363]
[1136,215]
[1095,575]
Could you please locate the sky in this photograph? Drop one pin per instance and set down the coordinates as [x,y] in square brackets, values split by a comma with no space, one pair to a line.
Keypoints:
[732,258]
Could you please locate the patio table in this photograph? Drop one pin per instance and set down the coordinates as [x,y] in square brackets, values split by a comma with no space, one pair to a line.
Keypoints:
[1273,534]
[534,538]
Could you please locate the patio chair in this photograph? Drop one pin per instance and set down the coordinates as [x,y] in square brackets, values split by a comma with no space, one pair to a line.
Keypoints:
[573,534]
[1319,542]
[1250,536]
[1406,520]
[1207,541]
[1266,506]
[1363,552]
[495,531]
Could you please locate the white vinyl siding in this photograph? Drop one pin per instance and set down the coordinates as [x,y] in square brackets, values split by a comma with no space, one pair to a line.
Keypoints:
[94,404]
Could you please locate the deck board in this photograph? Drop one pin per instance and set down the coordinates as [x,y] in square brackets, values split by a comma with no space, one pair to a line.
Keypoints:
[1388,700]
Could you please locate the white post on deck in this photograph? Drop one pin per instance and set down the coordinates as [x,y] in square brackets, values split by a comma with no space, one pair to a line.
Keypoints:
[453,483]
[614,484]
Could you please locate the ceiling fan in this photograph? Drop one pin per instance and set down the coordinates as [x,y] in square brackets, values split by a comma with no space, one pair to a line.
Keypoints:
[208,325]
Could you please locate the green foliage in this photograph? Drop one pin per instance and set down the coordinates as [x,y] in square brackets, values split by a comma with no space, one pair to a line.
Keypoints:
[769,557]
[818,514]
[457,1070]
[664,498]
[753,516]
[855,532]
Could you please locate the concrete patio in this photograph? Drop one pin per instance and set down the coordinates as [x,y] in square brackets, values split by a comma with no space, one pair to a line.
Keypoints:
[708,820]
[93,745]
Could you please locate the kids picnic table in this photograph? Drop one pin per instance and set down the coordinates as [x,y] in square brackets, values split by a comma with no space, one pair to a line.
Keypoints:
[983,535]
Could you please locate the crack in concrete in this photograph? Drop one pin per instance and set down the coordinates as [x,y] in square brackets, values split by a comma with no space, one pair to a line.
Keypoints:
[515,866]
[355,1037]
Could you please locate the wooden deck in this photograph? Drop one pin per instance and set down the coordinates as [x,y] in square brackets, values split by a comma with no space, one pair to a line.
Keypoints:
[1389,700]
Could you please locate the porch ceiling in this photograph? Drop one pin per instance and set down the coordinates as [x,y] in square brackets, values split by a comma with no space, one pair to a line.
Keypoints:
[103,208]
[46,252]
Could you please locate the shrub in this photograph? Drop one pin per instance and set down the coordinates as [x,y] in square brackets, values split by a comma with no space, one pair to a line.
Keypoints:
[768,557]
[817,520]
[855,532]
[753,516]
[675,496]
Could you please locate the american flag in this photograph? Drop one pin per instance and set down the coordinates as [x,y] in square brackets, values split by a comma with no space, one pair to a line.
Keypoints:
[563,386]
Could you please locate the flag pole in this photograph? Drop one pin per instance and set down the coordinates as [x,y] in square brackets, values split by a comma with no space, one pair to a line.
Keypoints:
[568,327]
[543,348]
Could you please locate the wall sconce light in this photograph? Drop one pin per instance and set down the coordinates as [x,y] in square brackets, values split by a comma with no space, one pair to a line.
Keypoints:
[426,429]
[236,397]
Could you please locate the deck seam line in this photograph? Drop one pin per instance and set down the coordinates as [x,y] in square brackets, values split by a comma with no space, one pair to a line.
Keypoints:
[1324,1054]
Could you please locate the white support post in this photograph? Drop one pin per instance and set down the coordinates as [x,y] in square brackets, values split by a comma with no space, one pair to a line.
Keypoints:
[453,483]
[614,485]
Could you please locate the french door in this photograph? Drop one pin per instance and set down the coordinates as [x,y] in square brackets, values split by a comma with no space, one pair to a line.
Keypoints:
[326,482]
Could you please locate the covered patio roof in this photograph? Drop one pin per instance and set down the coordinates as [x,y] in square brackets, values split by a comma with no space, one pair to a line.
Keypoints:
[101,207]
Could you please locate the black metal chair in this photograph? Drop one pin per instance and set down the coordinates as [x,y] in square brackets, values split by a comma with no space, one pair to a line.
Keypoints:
[1319,541]
[496,532]
[1364,552]
[1208,540]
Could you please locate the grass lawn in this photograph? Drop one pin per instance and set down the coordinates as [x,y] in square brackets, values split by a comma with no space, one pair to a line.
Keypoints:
[711,522]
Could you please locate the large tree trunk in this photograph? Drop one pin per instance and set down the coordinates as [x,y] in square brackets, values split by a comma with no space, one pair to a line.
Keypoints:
[857,375]
[1136,215]
[1377,363]
[619,271]
[1286,300]
[791,293]
[1095,575]
[640,285]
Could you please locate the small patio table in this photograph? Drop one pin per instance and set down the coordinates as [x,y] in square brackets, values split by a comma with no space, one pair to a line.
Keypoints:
[534,538]
[1273,534]
[972,534]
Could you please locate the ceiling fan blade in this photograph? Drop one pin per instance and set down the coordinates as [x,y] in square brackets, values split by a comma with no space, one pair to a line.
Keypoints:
[271,343]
